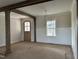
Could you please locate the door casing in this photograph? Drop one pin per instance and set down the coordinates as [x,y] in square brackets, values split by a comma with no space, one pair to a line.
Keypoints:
[27,34]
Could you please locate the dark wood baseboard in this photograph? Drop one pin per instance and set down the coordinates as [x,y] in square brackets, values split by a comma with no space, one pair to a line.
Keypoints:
[54,44]
[72,53]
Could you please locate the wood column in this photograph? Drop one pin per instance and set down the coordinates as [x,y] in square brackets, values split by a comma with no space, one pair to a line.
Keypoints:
[35,30]
[7,30]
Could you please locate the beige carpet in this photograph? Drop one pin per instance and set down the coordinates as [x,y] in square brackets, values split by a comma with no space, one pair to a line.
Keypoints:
[26,50]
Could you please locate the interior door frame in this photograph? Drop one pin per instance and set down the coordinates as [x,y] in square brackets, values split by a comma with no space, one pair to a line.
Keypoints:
[24,28]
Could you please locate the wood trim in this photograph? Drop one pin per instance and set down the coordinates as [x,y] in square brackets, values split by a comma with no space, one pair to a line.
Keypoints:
[72,53]
[22,4]
[53,44]
[22,13]
[24,28]
[35,30]
[7,30]
[77,9]
[26,14]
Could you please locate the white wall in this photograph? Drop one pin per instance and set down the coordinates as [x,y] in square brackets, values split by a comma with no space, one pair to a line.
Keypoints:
[74,28]
[15,30]
[63,28]
[2,29]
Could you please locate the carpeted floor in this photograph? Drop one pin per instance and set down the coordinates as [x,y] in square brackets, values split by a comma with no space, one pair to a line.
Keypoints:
[26,50]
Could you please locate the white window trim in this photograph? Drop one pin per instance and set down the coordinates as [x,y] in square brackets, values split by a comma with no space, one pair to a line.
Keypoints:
[50,30]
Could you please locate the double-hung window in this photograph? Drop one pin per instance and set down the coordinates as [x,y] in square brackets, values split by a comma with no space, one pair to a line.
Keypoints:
[51,28]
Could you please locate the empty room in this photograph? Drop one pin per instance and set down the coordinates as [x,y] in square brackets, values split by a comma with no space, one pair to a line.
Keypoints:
[38,29]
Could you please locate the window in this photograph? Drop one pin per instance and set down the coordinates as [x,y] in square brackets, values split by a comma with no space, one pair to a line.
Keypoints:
[51,28]
[27,26]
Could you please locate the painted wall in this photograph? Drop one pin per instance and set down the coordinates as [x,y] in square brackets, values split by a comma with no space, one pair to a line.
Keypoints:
[2,29]
[74,28]
[15,30]
[63,28]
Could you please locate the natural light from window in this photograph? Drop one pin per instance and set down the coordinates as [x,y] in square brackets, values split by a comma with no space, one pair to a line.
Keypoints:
[51,28]
[27,26]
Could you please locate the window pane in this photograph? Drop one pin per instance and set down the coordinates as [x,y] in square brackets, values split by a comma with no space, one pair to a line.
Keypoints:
[27,28]
[49,33]
[53,32]
[27,24]
[51,24]
[51,28]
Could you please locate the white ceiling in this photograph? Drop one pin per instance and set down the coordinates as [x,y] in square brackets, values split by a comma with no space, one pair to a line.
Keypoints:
[8,2]
[52,7]
[15,15]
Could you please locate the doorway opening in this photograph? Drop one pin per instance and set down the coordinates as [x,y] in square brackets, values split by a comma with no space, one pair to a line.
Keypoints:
[27,31]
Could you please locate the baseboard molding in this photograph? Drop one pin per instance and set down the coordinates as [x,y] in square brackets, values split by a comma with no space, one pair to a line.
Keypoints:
[16,42]
[40,43]
[54,44]
[72,53]
[11,44]
[2,45]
